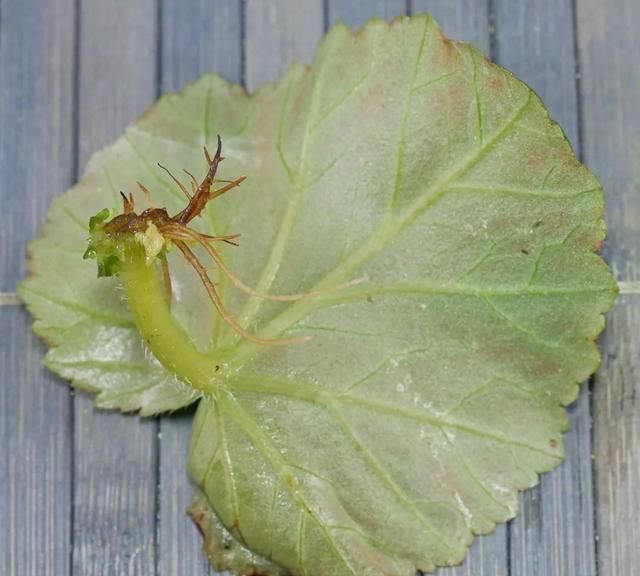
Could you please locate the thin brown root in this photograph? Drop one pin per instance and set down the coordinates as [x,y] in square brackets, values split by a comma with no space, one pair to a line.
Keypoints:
[199,200]
[215,299]
[220,191]
[146,192]
[166,277]
[177,182]
[194,182]
[184,232]
[227,238]
[177,229]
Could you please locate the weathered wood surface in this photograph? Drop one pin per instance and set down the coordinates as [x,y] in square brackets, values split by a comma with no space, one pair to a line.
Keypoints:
[608,48]
[36,163]
[87,493]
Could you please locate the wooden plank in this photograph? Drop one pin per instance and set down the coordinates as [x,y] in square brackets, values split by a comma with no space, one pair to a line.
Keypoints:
[36,162]
[279,33]
[36,108]
[468,21]
[179,542]
[609,45]
[195,39]
[199,37]
[115,456]
[35,441]
[554,532]
[355,14]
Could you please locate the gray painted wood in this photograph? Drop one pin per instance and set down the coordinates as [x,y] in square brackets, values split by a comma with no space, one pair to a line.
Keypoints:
[277,34]
[36,107]
[115,456]
[36,163]
[195,39]
[35,444]
[610,87]
[198,37]
[179,542]
[355,14]
[554,533]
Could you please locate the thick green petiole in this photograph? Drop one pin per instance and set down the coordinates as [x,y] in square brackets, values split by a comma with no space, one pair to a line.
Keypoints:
[167,340]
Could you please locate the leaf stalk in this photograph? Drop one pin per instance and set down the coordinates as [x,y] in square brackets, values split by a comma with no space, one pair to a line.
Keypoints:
[167,340]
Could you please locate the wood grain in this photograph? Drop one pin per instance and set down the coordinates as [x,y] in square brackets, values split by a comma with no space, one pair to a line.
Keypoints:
[115,455]
[35,443]
[36,163]
[609,45]
[356,14]
[277,34]
[195,39]
[36,108]
[199,37]
[554,532]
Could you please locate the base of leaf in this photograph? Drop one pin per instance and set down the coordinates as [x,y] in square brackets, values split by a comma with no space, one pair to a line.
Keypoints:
[222,548]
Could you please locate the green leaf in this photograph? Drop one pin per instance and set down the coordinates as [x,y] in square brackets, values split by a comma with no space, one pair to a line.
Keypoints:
[222,548]
[433,390]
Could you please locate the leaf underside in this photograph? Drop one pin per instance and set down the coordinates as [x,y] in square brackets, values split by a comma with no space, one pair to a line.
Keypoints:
[432,390]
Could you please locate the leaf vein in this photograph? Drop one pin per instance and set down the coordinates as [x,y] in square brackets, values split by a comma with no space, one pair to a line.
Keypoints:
[479,121]
[483,388]
[334,107]
[473,476]
[526,332]
[227,467]
[383,475]
[374,244]
[321,396]
[263,443]
[109,319]
[405,117]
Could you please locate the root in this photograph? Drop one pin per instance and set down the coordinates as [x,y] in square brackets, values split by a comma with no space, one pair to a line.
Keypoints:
[219,306]
[177,182]
[175,228]
[184,233]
